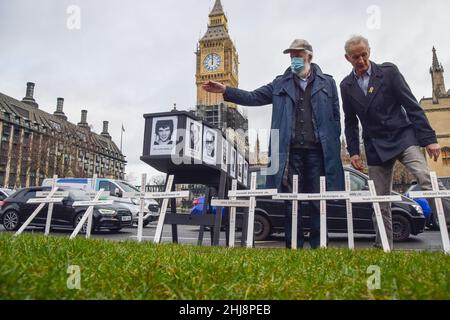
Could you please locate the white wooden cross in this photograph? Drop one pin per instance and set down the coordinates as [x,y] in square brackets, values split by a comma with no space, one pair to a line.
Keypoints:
[141,205]
[165,196]
[350,232]
[43,198]
[232,204]
[371,197]
[142,196]
[252,193]
[90,211]
[232,226]
[437,195]
[323,197]
[294,234]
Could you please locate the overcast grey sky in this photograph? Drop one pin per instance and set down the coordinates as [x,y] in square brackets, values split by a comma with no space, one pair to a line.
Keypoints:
[134,57]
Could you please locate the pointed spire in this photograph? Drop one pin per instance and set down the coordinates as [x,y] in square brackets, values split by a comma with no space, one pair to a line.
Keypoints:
[258,150]
[217,9]
[436,65]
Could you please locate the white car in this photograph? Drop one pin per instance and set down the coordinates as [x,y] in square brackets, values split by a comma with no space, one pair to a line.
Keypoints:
[5,193]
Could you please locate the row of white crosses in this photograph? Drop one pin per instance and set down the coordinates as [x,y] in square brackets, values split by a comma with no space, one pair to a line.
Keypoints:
[54,196]
[165,196]
[43,198]
[324,196]
[437,195]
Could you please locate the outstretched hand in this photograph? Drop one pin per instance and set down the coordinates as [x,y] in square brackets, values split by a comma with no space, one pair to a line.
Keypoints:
[214,87]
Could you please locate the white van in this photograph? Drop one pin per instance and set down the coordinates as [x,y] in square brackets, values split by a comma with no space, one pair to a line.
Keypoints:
[116,189]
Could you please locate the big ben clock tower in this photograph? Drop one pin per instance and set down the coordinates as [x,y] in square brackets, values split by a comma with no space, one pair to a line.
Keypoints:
[217,58]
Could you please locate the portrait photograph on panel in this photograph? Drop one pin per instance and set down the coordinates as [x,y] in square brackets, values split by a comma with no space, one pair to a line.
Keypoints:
[232,161]
[240,166]
[194,133]
[245,177]
[164,135]
[225,156]
[210,153]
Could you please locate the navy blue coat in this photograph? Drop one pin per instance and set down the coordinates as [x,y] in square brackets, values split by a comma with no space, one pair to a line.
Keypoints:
[326,115]
[391,118]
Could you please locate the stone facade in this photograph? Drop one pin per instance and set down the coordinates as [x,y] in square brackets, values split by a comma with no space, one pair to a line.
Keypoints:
[35,145]
[437,109]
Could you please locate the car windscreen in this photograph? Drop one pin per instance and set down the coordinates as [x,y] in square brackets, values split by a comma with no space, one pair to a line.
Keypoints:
[126,186]
[79,195]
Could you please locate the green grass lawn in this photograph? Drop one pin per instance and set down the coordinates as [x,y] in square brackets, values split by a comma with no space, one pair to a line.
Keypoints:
[35,267]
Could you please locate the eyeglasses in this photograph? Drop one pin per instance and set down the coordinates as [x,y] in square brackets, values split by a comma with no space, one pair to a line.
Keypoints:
[209,141]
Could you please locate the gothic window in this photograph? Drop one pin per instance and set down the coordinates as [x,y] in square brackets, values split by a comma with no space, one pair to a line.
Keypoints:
[446,156]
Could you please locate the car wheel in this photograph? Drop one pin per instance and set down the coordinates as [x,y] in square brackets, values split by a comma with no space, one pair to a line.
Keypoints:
[401,227]
[434,222]
[11,220]
[261,228]
[146,223]
[77,221]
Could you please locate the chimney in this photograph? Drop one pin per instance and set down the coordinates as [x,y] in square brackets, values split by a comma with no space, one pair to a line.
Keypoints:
[83,122]
[105,130]
[59,109]
[29,99]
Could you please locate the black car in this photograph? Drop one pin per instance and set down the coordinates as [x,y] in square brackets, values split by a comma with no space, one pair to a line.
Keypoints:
[15,211]
[407,215]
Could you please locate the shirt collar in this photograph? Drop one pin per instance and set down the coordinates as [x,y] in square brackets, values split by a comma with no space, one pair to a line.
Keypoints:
[368,72]
[310,78]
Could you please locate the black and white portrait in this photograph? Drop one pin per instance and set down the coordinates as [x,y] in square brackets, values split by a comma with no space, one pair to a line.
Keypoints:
[245,177]
[209,146]
[164,134]
[224,162]
[240,167]
[194,133]
[233,162]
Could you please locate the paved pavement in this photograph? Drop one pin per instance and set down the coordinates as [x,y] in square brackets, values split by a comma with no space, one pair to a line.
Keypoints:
[429,240]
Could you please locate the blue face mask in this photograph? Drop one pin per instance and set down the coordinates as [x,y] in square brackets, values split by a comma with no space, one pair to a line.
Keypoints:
[297,64]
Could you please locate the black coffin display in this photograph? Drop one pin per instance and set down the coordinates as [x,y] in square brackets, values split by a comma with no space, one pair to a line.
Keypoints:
[194,152]
[181,144]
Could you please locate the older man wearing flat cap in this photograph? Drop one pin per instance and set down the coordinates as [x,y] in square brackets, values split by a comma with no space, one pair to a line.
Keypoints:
[306,114]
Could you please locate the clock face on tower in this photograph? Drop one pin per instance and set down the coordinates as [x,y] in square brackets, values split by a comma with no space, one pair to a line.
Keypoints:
[212,62]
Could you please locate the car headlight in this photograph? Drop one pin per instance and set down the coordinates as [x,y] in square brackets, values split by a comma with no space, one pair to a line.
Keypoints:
[418,208]
[107,212]
[153,207]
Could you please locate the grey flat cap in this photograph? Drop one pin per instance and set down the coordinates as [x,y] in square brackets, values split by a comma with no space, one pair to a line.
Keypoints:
[299,44]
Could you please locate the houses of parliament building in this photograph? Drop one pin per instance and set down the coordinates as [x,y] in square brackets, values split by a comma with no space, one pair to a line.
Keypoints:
[35,144]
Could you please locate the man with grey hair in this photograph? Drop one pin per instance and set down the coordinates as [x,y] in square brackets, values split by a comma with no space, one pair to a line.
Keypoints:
[306,114]
[394,124]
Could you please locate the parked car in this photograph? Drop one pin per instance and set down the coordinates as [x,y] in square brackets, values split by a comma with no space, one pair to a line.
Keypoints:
[432,221]
[5,193]
[15,211]
[198,203]
[116,188]
[407,215]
